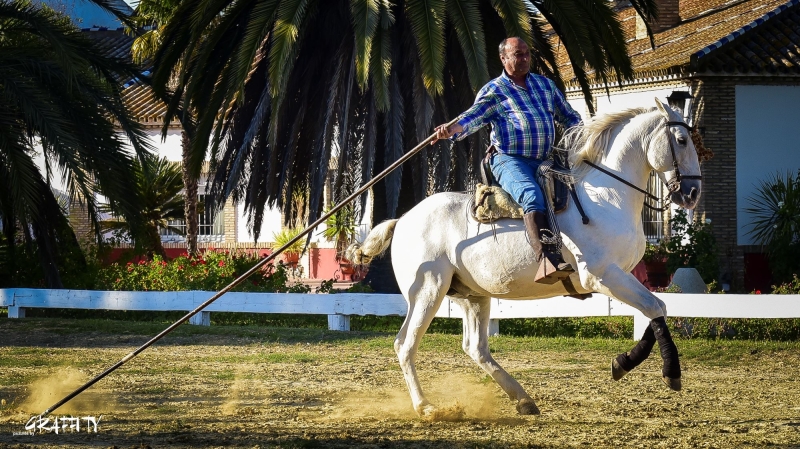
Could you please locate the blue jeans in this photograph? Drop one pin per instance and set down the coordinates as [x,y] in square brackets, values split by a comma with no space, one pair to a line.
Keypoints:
[517,176]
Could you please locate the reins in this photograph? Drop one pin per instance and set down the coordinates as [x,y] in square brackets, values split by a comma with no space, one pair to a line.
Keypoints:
[673,185]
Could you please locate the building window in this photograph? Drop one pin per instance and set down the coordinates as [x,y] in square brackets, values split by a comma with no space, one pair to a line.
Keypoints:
[653,220]
[209,222]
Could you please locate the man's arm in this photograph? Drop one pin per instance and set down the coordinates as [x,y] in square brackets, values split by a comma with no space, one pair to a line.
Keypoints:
[471,120]
[564,112]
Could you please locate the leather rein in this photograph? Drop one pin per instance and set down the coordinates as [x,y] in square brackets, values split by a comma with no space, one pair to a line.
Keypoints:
[674,184]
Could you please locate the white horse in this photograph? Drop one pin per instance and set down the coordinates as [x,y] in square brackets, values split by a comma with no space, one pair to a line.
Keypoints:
[438,250]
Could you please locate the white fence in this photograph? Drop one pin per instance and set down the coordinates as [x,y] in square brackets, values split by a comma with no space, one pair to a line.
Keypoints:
[340,307]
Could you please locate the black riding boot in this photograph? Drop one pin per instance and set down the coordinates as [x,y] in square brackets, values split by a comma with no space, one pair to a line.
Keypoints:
[552,267]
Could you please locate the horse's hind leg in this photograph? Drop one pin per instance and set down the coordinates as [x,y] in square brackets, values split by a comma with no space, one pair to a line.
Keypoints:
[476,345]
[424,297]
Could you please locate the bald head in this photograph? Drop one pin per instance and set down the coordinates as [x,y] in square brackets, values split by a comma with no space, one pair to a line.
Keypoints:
[515,56]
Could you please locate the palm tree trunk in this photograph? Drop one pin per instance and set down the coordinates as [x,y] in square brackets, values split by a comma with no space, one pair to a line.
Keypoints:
[190,208]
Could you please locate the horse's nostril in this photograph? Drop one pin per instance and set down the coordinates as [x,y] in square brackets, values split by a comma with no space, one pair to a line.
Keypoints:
[693,194]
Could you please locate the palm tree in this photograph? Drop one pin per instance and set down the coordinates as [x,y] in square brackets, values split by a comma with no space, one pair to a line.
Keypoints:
[151,18]
[159,184]
[275,82]
[59,91]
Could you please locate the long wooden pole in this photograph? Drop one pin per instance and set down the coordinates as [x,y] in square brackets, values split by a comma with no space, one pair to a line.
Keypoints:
[244,276]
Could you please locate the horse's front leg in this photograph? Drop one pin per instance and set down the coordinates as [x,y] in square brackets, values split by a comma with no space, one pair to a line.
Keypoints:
[623,286]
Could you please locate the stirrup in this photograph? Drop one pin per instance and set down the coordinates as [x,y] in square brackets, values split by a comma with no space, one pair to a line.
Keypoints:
[550,273]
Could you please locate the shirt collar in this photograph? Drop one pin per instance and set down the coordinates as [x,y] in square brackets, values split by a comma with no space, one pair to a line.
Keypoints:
[508,80]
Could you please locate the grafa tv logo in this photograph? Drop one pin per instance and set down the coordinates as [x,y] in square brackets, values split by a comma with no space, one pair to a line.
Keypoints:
[65,424]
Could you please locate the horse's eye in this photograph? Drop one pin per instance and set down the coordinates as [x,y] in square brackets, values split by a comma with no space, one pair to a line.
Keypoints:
[682,140]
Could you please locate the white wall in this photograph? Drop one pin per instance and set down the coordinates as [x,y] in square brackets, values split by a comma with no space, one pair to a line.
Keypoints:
[269,225]
[767,119]
[625,100]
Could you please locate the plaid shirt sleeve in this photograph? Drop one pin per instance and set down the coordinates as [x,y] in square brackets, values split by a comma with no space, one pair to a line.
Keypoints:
[563,111]
[479,114]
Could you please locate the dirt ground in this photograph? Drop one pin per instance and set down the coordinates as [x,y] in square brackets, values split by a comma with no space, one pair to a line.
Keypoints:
[282,388]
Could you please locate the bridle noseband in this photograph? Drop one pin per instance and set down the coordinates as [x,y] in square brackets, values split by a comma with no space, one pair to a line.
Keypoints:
[674,184]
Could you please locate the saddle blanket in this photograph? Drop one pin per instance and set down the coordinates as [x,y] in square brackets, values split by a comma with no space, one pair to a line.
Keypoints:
[493,203]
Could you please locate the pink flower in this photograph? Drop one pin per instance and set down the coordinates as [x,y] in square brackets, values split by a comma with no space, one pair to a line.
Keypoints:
[758,292]
[221,263]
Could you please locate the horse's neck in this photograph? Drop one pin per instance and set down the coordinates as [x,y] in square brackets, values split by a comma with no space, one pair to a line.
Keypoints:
[626,158]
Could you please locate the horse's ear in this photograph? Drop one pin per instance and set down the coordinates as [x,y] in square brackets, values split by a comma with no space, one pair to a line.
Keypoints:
[663,108]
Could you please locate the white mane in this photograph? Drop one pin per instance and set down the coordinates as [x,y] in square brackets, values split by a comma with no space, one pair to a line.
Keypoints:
[590,142]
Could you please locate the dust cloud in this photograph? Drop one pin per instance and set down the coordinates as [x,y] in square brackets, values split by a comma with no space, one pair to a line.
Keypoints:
[46,391]
[456,398]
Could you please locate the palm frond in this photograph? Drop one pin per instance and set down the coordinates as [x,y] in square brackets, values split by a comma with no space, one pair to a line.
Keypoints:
[466,20]
[381,58]
[426,18]
[515,17]
[366,16]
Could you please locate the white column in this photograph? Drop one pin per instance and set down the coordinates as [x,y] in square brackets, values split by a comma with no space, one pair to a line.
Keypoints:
[339,322]
[201,318]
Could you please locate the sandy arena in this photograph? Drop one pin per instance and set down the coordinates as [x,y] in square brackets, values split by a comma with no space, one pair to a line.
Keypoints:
[258,387]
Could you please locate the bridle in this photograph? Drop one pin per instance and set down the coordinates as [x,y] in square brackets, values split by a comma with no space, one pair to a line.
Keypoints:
[673,185]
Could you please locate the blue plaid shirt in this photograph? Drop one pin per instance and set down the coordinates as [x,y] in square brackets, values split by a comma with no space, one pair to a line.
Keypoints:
[522,120]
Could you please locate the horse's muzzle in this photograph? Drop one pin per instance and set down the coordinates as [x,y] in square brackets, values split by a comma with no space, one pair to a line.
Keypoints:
[688,195]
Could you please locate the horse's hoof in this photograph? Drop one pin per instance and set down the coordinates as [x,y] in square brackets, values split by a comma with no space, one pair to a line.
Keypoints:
[673,384]
[426,411]
[453,413]
[526,406]
[617,372]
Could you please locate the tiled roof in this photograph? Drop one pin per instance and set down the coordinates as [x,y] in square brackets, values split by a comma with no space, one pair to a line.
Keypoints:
[136,95]
[744,36]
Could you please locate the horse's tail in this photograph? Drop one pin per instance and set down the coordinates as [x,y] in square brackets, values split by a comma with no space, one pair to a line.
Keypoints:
[373,246]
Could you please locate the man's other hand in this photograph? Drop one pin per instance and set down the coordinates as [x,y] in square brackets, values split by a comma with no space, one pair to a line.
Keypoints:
[443,132]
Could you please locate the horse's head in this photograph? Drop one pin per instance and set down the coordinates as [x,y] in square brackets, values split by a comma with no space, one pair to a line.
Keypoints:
[673,156]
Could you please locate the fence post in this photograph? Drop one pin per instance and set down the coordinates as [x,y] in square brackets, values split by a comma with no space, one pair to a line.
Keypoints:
[494,327]
[16,312]
[339,322]
[201,319]
[640,323]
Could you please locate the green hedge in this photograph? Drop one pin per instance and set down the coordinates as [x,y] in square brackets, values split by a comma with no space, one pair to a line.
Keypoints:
[211,271]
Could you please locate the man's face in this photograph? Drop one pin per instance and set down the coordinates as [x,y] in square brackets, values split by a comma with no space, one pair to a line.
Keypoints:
[516,58]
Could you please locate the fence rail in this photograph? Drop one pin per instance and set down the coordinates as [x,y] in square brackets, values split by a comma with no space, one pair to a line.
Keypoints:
[340,307]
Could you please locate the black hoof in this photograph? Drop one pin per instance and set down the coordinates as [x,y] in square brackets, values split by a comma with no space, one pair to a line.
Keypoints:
[673,384]
[527,407]
[617,372]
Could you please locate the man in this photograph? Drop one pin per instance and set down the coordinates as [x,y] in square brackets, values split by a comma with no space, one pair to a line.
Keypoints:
[521,108]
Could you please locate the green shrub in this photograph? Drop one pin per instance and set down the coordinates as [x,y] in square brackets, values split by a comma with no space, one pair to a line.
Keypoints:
[209,271]
[693,245]
[775,208]
[77,267]
[785,329]
[788,288]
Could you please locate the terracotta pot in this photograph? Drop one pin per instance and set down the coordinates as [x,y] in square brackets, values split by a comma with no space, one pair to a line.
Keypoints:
[290,258]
